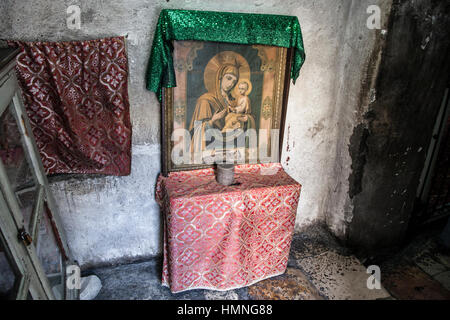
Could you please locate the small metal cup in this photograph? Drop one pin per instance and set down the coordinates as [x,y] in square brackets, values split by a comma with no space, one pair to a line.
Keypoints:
[225,174]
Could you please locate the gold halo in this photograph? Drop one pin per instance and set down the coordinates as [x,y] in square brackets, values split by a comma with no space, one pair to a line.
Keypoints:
[215,63]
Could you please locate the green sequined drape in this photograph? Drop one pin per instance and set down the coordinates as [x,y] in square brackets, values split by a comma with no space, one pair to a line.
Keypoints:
[242,28]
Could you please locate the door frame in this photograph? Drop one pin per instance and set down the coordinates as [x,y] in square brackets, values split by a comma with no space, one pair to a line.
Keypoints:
[21,254]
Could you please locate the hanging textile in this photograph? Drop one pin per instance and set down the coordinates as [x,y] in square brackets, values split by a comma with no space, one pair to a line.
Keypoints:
[76,97]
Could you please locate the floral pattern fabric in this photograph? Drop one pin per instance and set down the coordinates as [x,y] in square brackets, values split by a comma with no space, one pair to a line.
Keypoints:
[225,237]
[76,97]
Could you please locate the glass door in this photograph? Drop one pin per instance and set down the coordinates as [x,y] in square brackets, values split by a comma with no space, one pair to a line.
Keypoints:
[22,205]
[33,250]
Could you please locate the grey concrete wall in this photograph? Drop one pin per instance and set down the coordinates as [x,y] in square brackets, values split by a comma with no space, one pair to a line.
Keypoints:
[109,219]
[325,106]
[361,50]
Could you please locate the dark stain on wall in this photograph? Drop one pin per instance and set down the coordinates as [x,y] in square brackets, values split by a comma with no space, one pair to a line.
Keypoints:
[388,148]
[358,151]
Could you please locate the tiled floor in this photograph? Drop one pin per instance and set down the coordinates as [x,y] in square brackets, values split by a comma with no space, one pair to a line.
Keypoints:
[319,268]
[421,271]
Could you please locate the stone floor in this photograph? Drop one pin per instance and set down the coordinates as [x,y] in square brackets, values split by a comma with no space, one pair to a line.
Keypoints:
[421,271]
[318,268]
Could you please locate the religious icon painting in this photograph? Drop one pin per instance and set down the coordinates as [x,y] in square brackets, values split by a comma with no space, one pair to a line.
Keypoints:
[228,106]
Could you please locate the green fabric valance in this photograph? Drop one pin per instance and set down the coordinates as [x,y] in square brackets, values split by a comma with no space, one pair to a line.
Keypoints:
[241,28]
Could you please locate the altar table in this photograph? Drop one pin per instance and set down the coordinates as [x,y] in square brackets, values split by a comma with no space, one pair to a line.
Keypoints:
[221,238]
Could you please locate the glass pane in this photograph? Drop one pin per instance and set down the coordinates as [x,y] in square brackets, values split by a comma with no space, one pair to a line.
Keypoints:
[25,199]
[7,276]
[13,157]
[12,153]
[49,254]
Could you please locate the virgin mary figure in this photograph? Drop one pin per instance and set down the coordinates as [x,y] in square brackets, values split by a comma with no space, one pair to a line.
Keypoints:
[221,75]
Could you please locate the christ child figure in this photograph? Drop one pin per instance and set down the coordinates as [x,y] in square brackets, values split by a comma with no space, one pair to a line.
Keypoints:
[236,116]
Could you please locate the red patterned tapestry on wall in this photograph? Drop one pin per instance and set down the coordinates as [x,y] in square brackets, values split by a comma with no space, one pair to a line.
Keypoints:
[76,96]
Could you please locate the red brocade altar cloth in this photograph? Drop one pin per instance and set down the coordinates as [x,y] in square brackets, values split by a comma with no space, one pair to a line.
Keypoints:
[221,238]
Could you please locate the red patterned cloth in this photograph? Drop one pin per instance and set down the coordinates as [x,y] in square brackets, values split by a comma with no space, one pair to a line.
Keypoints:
[76,97]
[222,238]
